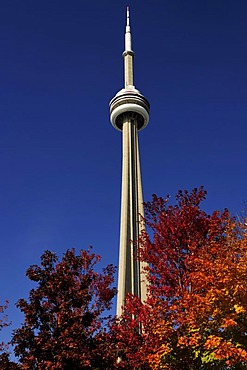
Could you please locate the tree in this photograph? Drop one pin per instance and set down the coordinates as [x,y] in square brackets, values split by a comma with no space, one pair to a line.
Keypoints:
[3,324]
[65,318]
[195,316]
[5,363]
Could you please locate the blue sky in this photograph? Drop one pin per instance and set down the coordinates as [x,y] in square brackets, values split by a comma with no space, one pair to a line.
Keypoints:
[60,158]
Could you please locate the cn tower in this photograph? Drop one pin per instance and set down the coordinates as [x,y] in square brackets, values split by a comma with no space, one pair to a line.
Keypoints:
[129,113]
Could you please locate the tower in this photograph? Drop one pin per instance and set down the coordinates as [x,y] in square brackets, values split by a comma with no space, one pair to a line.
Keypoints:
[129,113]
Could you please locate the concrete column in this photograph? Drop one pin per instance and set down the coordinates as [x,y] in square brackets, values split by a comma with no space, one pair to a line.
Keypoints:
[130,278]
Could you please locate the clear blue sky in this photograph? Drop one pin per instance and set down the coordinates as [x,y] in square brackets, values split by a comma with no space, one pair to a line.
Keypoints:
[60,158]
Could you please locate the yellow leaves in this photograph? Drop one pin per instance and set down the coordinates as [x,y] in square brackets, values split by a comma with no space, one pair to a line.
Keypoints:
[221,349]
[239,309]
[164,349]
[230,321]
[207,357]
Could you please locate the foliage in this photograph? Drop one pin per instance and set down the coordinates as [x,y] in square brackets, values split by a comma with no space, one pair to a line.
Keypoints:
[3,324]
[195,315]
[6,364]
[65,318]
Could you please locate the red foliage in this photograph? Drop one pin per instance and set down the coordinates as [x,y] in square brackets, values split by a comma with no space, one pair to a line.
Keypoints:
[195,314]
[65,318]
[3,324]
[6,364]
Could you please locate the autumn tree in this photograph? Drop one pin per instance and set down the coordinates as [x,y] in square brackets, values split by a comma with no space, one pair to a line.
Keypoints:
[65,316]
[3,323]
[5,362]
[195,316]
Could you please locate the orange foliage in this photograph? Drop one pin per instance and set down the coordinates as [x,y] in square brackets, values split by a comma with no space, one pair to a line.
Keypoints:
[197,295]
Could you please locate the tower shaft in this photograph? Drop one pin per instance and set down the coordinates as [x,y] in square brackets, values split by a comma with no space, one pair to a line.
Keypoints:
[130,276]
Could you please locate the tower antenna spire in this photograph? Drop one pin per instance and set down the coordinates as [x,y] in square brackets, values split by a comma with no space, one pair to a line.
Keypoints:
[128,32]
[128,54]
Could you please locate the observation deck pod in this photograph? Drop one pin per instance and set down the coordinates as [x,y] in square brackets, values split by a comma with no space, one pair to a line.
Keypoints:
[130,102]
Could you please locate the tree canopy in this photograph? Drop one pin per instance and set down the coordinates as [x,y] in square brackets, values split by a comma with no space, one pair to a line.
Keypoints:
[65,315]
[195,314]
